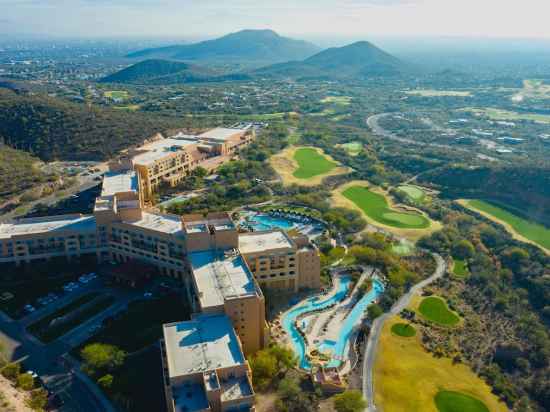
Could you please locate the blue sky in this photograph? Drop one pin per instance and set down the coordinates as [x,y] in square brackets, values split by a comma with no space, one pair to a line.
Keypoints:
[207,18]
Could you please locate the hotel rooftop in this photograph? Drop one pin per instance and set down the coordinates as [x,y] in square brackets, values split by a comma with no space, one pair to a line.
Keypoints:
[160,148]
[50,224]
[207,342]
[220,134]
[219,276]
[119,182]
[164,223]
[256,242]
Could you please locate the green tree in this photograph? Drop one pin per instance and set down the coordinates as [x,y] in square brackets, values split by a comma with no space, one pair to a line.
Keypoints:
[264,369]
[374,311]
[285,357]
[38,399]
[350,401]
[463,249]
[25,381]
[106,381]
[100,356]
[11,371]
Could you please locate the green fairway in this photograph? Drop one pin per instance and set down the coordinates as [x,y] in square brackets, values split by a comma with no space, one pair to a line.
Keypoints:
[500,114]
[338,100]
[530,230]
[413,192]
[460,268]
[404,330]
[117,94]
[376,206]
[352,148]
[435,309]
[311,163]
[449,401]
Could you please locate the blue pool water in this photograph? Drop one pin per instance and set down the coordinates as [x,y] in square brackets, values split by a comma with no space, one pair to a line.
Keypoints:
[311,304]
[266,222]
[337,348]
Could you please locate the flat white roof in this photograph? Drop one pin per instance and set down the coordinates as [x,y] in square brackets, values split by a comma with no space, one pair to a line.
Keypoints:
[221,133]
[255,242]
[169,224]
[207,342]
[219,276]
[117,182]
[158,149]
[61,223]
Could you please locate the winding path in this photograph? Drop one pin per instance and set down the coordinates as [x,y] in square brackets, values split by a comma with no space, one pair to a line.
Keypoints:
[378,324]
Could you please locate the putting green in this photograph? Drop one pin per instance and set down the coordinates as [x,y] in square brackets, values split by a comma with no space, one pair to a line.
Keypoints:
[404,330]
[435,309]
[415,193]
[311,163]
[449,401]
[460,268]
[376,207]
[534,232]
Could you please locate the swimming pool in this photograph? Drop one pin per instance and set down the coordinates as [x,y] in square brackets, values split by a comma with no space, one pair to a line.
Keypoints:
[337,348]
[261,222]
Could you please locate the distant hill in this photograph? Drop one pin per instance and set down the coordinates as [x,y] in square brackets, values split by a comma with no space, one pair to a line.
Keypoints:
[157,72]
[357,60]
[246,46]
[53,129]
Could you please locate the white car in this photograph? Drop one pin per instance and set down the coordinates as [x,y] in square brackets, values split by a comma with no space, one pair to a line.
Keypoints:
[29,308]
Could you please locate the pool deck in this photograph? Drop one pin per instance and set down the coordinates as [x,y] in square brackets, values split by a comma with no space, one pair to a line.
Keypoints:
[331,319]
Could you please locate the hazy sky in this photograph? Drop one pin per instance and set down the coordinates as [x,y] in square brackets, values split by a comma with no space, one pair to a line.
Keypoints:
[191,18]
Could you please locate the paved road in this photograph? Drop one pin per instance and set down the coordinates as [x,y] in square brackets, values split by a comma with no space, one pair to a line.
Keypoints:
[376,329]
[372,122]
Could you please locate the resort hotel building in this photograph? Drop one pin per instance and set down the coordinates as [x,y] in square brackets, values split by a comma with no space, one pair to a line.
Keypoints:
[222,270]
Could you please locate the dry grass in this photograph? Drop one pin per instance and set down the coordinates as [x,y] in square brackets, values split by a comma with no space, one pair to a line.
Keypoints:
[339,200]
[407,378]
[285,165]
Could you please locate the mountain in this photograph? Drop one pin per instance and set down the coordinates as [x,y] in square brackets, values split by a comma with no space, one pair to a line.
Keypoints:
[357,60]
[246,46]
[162,72]
[52,129]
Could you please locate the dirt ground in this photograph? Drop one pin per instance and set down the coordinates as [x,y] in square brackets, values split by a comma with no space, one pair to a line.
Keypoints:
[11,399]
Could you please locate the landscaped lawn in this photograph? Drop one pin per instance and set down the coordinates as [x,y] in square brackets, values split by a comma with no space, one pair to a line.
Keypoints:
[311,163]
[449,401]
[376,207]
[530,230]
[460,268]
[435,309]
[414,192]
[404,330]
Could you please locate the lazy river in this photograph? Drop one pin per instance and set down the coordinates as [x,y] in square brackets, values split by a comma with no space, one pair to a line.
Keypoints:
[336,348]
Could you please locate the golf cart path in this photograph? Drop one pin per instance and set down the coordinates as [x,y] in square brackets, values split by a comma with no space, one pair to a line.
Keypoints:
[374,336]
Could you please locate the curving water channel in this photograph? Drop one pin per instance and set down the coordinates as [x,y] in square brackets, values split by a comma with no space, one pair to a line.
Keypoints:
[339,347]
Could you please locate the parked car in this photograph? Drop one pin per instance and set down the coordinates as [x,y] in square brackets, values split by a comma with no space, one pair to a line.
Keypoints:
[29,308]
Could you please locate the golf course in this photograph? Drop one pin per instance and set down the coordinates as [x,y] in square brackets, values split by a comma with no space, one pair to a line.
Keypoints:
[306,166]
[522,229]
[415,193]
[376,206]
[311,163]
[404,330]
[409,379]
[435,309]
